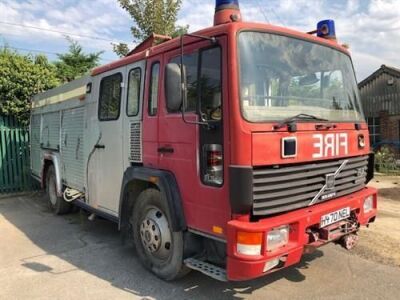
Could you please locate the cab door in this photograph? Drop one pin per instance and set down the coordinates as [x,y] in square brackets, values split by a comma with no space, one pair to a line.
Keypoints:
[151,112]
[183,146]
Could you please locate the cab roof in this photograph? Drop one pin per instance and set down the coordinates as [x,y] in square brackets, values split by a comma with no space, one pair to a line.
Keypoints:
[230,29]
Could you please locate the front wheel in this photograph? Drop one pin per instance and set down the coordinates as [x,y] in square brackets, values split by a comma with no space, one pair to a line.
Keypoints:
[159,248]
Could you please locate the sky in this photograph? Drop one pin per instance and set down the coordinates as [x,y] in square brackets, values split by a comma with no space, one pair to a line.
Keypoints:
[370,27]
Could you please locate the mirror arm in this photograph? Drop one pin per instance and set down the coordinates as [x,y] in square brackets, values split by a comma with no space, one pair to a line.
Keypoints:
[184,88]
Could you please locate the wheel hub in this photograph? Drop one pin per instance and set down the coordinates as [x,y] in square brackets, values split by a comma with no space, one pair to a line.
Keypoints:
[155,233]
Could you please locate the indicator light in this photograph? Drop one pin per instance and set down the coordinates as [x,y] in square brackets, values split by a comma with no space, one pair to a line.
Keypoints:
[326,29]
[249,243]
[217,229]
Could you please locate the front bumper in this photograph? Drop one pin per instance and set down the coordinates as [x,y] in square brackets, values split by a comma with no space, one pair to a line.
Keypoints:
[243,267]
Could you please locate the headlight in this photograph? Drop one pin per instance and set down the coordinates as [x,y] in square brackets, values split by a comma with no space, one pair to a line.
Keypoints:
[368,204]
[277,238]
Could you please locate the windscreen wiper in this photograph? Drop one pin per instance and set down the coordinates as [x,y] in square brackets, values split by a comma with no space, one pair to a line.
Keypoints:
[291,122]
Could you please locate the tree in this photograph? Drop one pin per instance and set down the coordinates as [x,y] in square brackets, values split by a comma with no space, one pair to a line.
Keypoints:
[75,63]
[21,77]
[151,16]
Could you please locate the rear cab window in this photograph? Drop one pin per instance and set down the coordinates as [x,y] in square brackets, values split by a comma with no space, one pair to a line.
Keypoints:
[110,97]
[153,93]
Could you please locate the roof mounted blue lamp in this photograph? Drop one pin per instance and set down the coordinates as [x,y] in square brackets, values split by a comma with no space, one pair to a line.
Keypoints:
[226,11]
[325,29]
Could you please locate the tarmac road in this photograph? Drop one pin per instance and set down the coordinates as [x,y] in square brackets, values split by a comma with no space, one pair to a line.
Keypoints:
[47,257]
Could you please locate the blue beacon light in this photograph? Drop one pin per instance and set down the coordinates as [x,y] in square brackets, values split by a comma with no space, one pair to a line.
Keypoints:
[221,4]
[326,29]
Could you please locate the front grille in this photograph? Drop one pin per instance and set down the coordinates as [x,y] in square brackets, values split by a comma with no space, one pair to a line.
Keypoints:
[284,188]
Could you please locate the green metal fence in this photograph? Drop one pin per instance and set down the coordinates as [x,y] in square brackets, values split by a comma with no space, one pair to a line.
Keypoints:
[14,156]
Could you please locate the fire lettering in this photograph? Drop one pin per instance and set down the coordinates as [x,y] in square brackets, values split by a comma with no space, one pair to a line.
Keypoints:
[328,145]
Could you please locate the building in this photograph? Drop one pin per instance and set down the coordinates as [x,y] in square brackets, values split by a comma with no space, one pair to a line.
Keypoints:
[380,97]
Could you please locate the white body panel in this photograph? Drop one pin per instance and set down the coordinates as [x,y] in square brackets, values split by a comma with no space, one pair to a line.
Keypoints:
[65,122]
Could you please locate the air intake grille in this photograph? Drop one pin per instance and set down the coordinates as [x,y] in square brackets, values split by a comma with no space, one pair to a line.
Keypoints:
[136,142]
[284,188]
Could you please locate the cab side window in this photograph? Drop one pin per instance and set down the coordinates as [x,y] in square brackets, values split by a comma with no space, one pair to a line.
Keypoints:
[110,97]
[153,94]
[210,84]
[203,77]
[134,81]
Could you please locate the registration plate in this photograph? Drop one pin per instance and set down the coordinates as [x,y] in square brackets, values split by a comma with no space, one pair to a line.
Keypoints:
[335,216]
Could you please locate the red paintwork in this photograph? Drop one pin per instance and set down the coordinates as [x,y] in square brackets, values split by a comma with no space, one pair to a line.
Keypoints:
[204,206]
[266,146]
[241,267]
[245,144]
[149,42]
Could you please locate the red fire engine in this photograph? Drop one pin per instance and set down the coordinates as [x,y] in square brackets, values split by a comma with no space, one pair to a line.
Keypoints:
[231,151]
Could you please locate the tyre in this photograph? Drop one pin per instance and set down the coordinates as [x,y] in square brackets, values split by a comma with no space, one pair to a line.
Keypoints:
[159,248]
[56,204]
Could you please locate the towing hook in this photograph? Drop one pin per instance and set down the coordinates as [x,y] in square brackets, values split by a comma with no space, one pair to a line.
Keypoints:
[349,241]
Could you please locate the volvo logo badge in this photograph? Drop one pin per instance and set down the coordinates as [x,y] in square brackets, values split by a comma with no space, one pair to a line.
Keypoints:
[329,184]
[330,181]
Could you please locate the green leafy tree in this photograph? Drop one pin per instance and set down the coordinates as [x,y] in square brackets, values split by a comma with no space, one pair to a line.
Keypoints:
[151,16]
[75,63]
[21,77]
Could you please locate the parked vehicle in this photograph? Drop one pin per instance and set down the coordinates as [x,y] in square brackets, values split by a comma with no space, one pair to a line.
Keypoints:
[231,151]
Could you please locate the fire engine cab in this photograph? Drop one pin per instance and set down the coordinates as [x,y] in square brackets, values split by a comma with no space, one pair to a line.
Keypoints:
[231,151]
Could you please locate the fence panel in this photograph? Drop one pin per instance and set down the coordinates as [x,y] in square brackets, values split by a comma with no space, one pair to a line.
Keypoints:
[14,156]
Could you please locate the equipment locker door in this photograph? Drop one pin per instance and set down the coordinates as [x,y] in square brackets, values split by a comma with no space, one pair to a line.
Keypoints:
[109,170]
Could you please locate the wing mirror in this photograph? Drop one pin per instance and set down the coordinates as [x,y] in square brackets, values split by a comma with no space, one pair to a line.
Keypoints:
[174,86]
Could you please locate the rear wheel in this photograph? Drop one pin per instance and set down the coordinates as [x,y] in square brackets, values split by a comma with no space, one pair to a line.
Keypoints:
[159,248]
[57,204]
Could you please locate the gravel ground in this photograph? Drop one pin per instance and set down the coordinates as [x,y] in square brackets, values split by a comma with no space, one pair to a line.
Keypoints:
[381,242]
[47,257]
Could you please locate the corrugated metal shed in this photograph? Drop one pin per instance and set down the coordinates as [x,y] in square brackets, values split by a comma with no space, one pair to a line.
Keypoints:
[381,92]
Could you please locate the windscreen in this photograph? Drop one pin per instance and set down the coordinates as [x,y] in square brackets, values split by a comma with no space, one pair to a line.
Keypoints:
[281,77]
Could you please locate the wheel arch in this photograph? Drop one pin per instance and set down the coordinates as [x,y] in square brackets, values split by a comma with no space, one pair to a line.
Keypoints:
[136,180]
[52,159]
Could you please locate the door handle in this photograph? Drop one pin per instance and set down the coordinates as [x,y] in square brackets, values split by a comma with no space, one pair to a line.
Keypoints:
[165,150]
[97,146]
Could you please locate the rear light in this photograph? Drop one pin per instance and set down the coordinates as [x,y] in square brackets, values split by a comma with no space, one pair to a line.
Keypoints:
[249,243]
[213,161]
